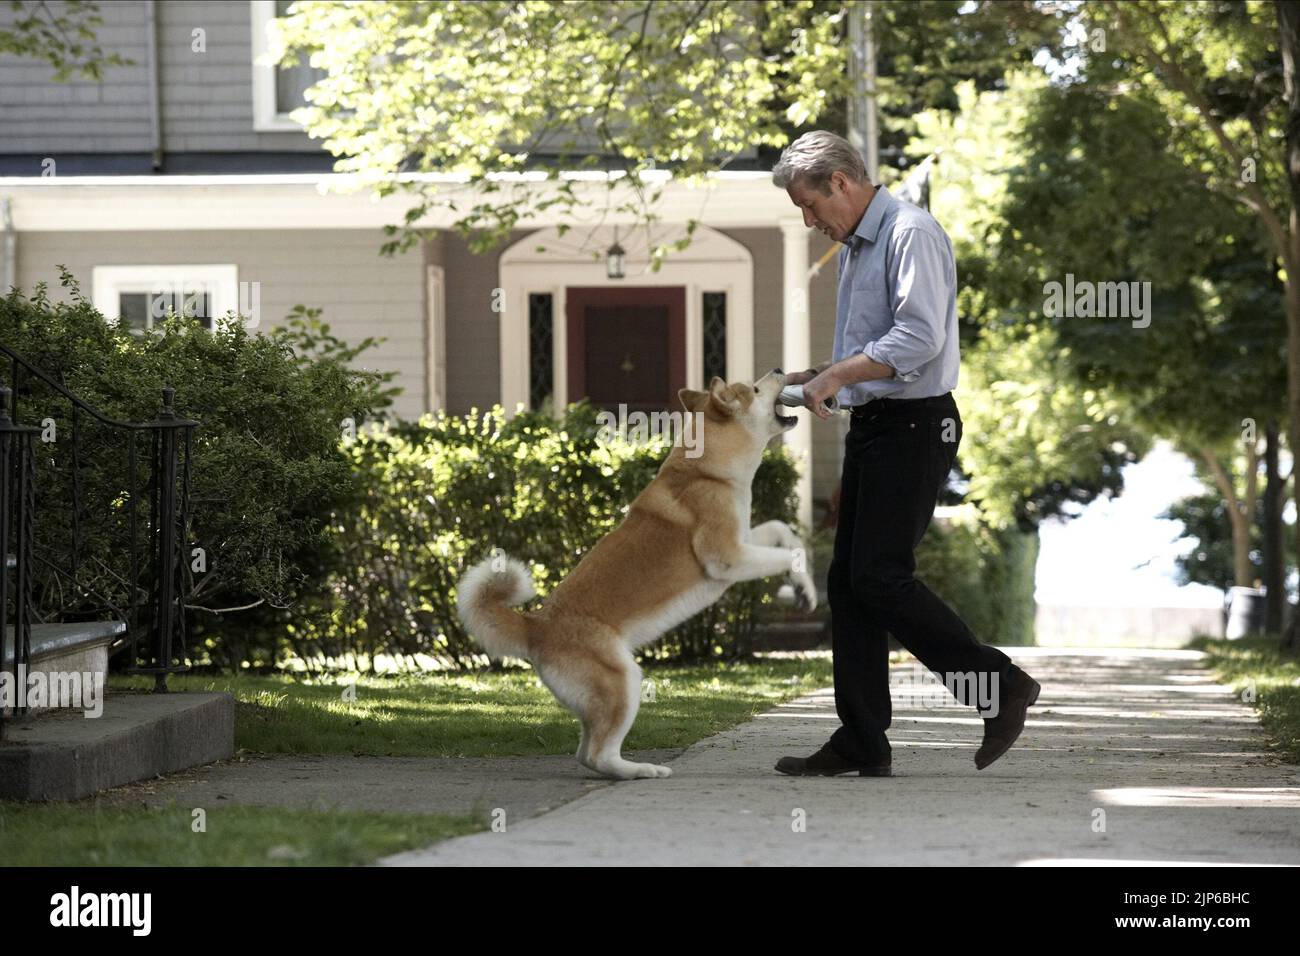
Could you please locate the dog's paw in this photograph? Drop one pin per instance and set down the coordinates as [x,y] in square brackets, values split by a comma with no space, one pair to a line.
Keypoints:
[787,536]
[646,771]
[626,770]
[806,593]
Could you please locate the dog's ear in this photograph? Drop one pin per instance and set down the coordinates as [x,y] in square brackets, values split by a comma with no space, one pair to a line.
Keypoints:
[690,398]
[720,402]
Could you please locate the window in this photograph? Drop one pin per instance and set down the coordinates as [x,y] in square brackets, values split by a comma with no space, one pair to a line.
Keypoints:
[541,365]
[277,90]
[142,296]
[715,335]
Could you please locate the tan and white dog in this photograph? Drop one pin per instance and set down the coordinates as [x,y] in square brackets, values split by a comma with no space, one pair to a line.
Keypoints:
[685,539]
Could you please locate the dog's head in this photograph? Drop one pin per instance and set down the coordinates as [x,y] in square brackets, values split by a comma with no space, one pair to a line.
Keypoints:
[742,408]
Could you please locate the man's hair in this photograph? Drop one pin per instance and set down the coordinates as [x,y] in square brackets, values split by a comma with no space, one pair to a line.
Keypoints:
[813,157]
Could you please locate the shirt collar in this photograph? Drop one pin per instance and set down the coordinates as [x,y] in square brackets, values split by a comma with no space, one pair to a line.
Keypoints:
[869,227]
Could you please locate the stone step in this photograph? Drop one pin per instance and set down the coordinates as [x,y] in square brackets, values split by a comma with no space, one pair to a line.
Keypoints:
[67,645]
[138,736]
[66,649]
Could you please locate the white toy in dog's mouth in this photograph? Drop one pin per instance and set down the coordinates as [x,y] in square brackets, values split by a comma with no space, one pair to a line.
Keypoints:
[792,395]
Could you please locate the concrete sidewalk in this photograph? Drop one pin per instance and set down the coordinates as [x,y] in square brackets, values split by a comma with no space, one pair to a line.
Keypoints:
[1129,755]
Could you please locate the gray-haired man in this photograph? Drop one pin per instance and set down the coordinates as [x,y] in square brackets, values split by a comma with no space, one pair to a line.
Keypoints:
[895,363]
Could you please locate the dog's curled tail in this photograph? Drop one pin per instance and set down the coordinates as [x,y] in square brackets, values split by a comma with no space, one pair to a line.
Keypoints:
[485,595]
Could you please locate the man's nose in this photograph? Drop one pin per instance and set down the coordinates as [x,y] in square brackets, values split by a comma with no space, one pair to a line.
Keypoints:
[808,220]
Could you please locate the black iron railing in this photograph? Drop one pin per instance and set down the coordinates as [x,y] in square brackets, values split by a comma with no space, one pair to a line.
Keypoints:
[108,514]
[17,489]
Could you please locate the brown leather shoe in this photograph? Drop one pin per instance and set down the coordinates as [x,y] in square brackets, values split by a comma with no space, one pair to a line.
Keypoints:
[1000,732]
[827,763]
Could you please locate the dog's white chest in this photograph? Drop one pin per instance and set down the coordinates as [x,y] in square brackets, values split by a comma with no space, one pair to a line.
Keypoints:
[672,612]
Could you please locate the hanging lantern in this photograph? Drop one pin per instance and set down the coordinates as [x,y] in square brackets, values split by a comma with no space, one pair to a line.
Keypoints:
[614,259]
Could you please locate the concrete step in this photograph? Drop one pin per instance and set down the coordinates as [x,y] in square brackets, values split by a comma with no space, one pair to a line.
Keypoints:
[67,648]
[66,756]
[57,641]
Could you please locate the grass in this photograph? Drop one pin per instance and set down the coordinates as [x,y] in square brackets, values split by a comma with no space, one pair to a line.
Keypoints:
[81,834]
[1256,664]
[486,714]
[481,714]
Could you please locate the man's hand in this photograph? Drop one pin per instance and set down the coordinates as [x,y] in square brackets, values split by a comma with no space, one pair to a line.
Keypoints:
[817,389]
[831,378]
[802,378]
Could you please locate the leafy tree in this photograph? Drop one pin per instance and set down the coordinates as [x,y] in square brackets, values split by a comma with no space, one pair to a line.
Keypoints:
[1048,443]
[644,91]
[926,51]
[1104,195]
[1223,76]
[62,34]
[1212,559]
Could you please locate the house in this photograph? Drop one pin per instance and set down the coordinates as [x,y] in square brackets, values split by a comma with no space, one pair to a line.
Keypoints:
[181,178]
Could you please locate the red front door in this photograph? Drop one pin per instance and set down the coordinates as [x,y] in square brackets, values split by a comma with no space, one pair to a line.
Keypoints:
[627,346]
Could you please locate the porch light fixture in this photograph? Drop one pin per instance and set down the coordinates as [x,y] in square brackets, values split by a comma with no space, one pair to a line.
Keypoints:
[614,258]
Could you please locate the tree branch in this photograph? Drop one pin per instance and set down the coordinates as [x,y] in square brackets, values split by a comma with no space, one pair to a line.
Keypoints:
[1178,80]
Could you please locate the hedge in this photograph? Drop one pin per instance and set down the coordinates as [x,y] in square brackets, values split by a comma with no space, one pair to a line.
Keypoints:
[267,472]
[986,574]
[442,493]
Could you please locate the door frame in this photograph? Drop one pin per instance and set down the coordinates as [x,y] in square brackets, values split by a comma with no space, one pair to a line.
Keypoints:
[713,262]
[577,298]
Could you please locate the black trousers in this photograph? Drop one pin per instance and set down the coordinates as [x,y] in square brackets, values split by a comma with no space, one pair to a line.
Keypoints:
[897,456]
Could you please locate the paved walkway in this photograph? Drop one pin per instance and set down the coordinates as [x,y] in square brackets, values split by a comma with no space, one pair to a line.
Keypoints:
[1129,755]
[472,786]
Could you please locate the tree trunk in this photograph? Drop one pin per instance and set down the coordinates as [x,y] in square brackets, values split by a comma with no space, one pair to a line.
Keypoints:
[1291,639]
[1288,22]
[1240,522]
[1251,504]
[1274,529]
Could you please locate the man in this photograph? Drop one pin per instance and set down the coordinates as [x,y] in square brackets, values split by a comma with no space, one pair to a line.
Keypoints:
[894,364]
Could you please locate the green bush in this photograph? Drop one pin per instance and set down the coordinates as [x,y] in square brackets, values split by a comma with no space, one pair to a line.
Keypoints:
[441,493]
[267,470]
[986,574]
[316,547]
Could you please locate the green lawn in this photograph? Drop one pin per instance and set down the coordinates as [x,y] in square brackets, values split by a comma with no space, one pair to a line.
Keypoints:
[479,714]
[81,834]
[485,714]
[1255,663]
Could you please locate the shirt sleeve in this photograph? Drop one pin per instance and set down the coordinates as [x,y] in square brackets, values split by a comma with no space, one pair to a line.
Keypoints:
[922,284]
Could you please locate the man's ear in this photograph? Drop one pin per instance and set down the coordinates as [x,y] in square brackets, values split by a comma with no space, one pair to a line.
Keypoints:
[690,397]
[722,404]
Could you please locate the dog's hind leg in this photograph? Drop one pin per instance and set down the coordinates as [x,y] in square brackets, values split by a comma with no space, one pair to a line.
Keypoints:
[611,717]
[584,745]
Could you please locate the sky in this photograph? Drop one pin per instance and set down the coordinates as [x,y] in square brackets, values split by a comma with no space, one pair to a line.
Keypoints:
[1117,552]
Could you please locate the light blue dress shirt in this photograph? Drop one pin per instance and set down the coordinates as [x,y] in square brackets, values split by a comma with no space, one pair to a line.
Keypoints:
[897,302]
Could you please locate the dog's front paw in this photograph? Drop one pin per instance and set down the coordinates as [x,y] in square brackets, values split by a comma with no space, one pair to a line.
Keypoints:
[649,771]
[806,593]
[789,539]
